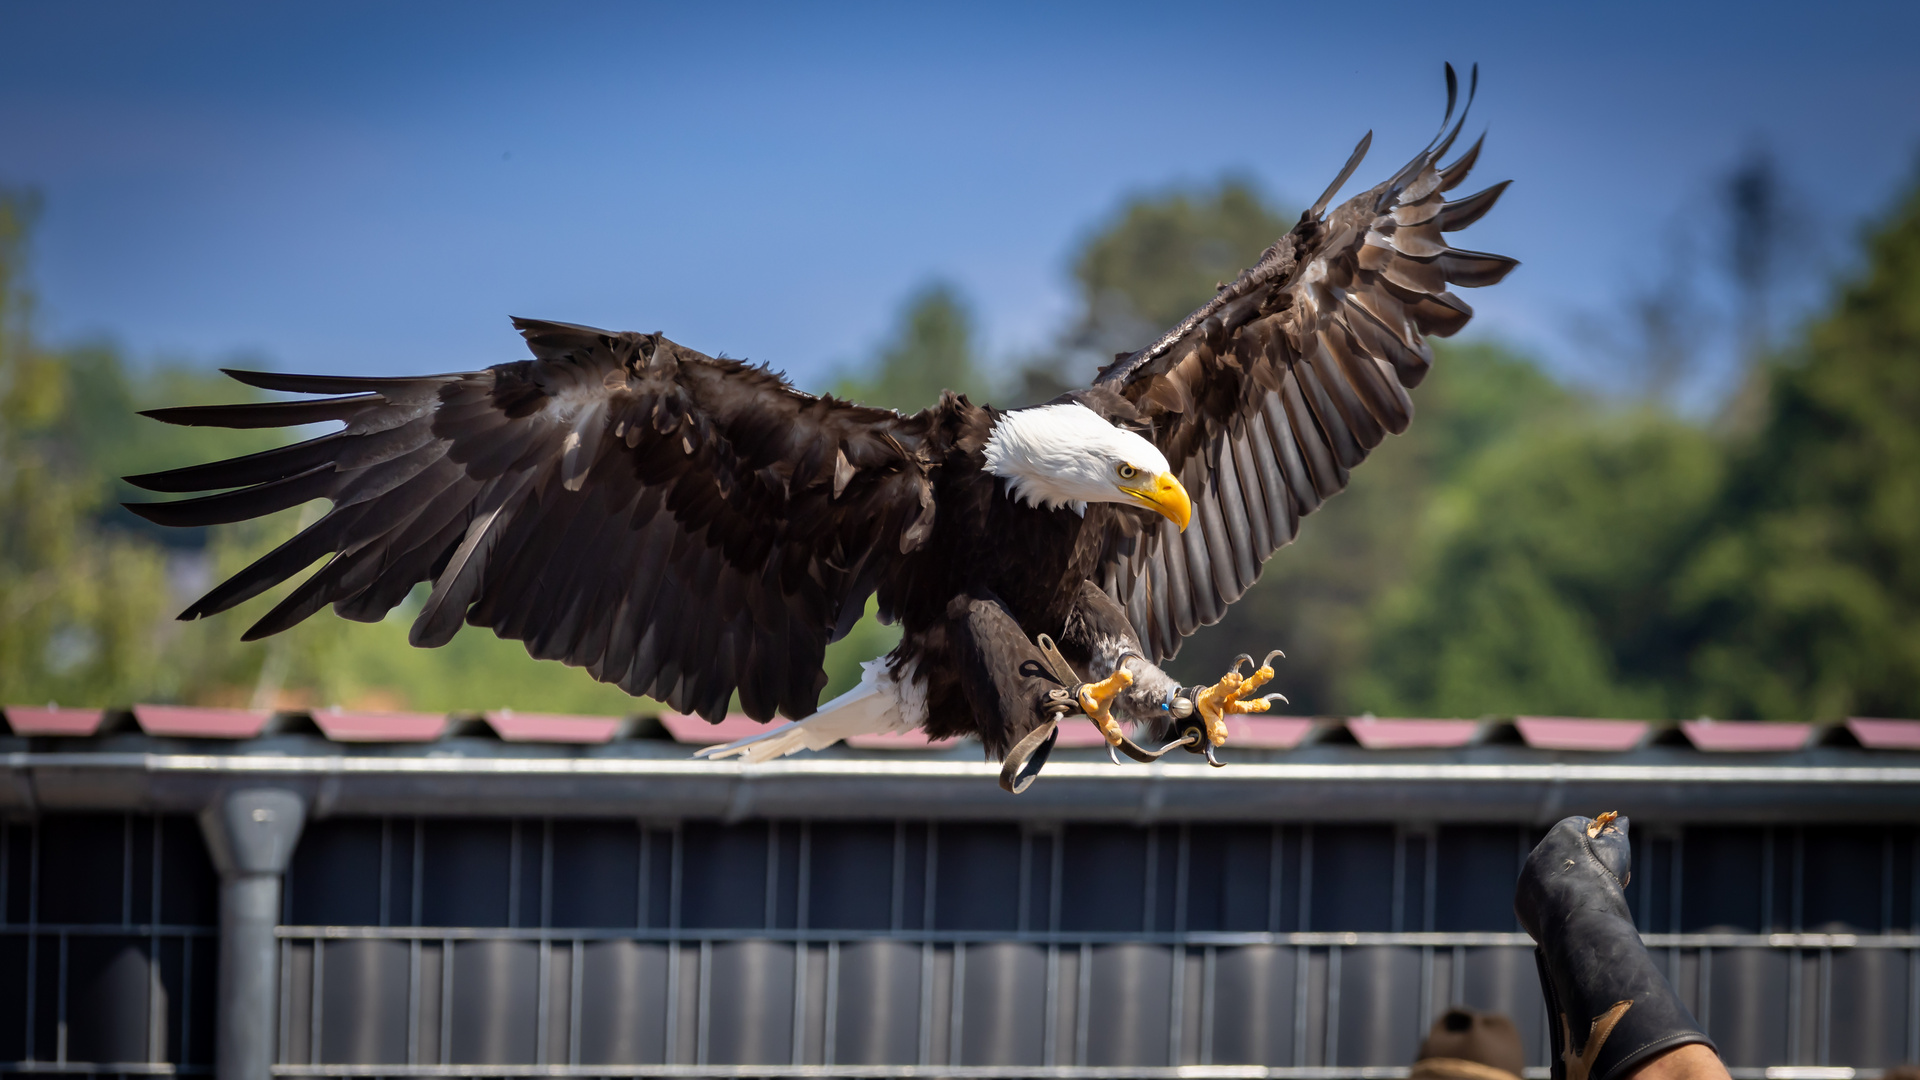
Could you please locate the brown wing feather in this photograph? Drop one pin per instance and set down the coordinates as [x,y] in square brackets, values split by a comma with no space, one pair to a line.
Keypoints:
[680,525]
[1264,399]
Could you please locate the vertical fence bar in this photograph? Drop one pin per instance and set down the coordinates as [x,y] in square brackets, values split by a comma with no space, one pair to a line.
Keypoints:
[315,1019]
[1333,1005]
[513,873]
[1824,1022]
[800,962]
[1180,879]
[1276,877]
[1022,919]
[703,1020]
[898,908]
[543,1009]
[1082,1004]
[771,900]
[830,1013]
[286,1002]
[1153,878]
[1176,1003]
[126,870]
[1766,880]
[1209,969]
[803,877]
[1056,875]
[186,1000]
[578,981]
[156,1007]
[386,870]
[926,1005]
[33,937]
[543,1003]
[446,1001]
[1398,919]
[413,1001]
[673,1003]
[1306,879]
[956,1023]
[415,896]
[1050,1033]
[1302,985]
[1794,1019]
[1430,896]
[60,1007]
[642,912]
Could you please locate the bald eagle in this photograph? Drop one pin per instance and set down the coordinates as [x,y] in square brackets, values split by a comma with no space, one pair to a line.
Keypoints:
[690,527]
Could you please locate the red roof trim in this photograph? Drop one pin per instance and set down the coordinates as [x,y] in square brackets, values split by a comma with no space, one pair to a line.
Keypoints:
[1375,734]
[553,727]
[1580,733]
[342,725]
[1876,734]
[1746,736]
[53,720]
[1267,732]
[192,722]
[696,731]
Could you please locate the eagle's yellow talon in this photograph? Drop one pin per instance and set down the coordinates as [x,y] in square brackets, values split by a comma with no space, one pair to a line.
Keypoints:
[1228,698]
[1096,700]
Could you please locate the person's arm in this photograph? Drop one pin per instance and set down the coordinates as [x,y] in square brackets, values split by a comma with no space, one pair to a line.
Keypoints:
[1695,1061]
[1611,1014]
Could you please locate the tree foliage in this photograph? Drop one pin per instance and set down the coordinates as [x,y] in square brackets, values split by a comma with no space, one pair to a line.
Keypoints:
[1806,599]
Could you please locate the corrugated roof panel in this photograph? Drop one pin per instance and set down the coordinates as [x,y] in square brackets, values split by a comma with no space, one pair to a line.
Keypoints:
[1267,732]
[1580,733]
[695,731]
[1876,734]
[53,720]
[1746,736]
[343,725]
[1377,734]
[1078,733]
[195,722]
[553,727]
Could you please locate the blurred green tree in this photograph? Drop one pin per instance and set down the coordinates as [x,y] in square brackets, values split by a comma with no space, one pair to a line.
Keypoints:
[77,607]
[1150,264]
[1315,597]
[932,349]
[1806,599]
[1542,577]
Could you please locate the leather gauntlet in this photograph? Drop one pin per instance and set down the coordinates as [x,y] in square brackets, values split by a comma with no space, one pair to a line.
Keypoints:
[1609,1008]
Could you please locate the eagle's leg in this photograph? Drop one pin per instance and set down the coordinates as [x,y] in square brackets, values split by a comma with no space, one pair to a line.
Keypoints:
[1096,700]
[1229,696]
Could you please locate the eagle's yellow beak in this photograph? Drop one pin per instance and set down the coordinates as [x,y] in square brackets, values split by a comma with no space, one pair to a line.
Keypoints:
[1164,496]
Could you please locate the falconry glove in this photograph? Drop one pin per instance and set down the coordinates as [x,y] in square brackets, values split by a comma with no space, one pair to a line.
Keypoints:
[1609,1009]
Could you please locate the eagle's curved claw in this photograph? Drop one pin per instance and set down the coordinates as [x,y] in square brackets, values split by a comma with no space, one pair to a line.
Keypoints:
[1096,700]
[1230,697]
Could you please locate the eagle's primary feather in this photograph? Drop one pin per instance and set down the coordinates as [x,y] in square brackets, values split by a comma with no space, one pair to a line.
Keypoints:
[688,527]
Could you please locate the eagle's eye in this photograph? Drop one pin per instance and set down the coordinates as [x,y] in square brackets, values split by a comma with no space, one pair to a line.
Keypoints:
[1128,472]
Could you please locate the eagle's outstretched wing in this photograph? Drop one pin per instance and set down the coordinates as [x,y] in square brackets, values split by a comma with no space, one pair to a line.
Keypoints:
[1263,399]
[676,524]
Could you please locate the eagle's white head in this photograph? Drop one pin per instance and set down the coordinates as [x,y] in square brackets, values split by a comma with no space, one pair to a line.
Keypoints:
[1066,455]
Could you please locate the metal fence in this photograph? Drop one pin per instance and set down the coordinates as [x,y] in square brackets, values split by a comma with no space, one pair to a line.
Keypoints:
[791,948]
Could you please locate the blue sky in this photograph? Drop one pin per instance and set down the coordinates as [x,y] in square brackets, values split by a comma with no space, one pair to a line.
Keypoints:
[374,188]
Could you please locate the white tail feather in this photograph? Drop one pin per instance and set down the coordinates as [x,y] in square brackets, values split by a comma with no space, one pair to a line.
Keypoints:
[881,703]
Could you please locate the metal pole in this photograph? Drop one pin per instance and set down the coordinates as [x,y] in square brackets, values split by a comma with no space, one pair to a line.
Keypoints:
[250,834]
